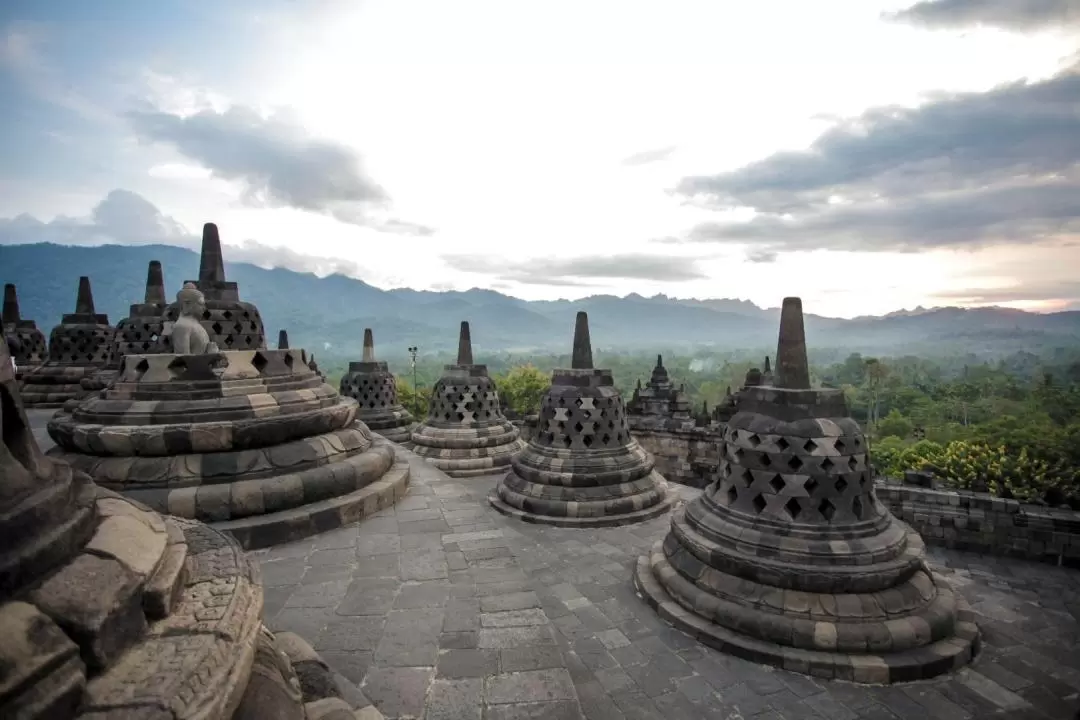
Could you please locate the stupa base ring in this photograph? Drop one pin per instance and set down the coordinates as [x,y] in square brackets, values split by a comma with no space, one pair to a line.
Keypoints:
[921,663]
[665,504]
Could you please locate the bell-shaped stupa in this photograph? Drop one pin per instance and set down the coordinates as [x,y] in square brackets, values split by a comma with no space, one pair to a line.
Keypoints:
[373,386]
[252,441]
[33,350]
[582,468]
[78,346]
[788,558]
[232,324]
[111,610]
[465,433]
[137,334]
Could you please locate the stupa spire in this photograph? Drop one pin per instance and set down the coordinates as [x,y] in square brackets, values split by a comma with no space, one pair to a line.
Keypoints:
[11,305]
[211,264]
[84,303]
[155,284]
[768,367]
[582,357]
[369,346]
[659,360]
[464,346]
[792,366]
[283,340]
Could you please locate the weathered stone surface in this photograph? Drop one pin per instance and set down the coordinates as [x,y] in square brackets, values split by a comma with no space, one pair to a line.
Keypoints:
[465,433]
[583,467]
[273,692]
[41,675]
[789,558]
[31,348]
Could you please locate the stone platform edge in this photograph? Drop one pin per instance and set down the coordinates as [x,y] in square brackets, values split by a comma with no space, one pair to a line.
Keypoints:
[980,522]
[922,663]
[260,531]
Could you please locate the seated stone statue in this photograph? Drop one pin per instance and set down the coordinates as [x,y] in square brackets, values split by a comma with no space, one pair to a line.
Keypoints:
[189,337]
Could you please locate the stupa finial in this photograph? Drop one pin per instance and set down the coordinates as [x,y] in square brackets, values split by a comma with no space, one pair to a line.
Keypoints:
[84,303]
[155,284]
[768,367]
[464,346]
[659,360]
[792,367]
[211,264]
[582,357]
[369,346]
[11,305]
[283,340]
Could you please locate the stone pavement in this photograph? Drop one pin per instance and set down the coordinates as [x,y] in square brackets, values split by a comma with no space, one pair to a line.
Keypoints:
[441,608]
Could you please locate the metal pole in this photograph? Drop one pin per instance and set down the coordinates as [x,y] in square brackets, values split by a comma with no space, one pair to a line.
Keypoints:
[416,390]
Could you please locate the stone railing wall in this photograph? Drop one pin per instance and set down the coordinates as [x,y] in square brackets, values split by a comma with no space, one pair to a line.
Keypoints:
[982,523]
[684,453]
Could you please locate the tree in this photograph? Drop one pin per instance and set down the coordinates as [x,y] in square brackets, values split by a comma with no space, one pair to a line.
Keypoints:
[414,401]
[895,425]
[523,387]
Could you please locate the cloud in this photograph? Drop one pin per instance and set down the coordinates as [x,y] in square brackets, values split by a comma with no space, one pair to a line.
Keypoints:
[1064,293]
[964,169]
[572,272]
[126,218]
[1020,15]
[650,156]
[277,161]
[761,256]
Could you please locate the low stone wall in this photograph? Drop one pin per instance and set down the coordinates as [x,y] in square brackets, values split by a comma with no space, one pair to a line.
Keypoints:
[982,523]
[688,455]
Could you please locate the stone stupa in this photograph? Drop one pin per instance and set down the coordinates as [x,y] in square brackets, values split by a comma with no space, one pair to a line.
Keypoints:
[373,386]
[283,340]
[232,324]
[251,441]
[788,558]
[659,401]
[33,348]
[137,334]
[465,433]
[583,468]
[79,345]
[110,610]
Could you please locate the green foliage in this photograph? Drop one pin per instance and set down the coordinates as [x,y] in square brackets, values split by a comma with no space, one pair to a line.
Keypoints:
[415,401]
[894,424]
[523,387]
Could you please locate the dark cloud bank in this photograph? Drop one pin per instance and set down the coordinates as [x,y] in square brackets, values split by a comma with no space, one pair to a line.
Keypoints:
[279,163]
[963,170]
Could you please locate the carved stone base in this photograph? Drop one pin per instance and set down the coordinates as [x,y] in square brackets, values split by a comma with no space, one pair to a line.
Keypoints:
[468,452]
[875,668]
[50,386]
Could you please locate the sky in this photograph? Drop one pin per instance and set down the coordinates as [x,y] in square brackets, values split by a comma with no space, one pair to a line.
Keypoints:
[868,155]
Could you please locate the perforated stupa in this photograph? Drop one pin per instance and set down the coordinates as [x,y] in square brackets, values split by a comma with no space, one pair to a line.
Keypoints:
[465,433]
[582,467]
[373,386]
[231,323]
[788,558]
[251,441]
[33,349]
[79,345]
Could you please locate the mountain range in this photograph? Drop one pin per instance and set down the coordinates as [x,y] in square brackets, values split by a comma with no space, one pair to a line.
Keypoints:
[329,314]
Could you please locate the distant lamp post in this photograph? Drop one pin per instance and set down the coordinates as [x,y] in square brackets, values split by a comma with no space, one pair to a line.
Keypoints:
[416,391]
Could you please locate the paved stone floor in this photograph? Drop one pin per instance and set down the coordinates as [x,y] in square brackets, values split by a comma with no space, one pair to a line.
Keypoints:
[442,609]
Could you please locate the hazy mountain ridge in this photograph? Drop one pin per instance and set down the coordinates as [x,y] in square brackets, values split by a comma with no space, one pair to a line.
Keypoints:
[329,314]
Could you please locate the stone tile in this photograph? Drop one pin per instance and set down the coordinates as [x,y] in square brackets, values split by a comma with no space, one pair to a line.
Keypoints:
[325,573]
[509,601]
[378,544]
[318,595]
[352,664]
[512,637]
[467,663]
[410,638]
[398,691]
[357,633]
[455,700]
[529,686]
[283,572]
[613,639]
[377,566]
[423,565]
[512,618]
[369,596]
[558,710]
[516,659]
[431,593]
[459,640]
[339,556]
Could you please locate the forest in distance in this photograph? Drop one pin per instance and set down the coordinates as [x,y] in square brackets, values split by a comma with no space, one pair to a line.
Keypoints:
[1009,425]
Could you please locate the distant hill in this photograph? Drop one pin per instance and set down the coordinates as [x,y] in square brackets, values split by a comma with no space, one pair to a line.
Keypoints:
[328,315]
